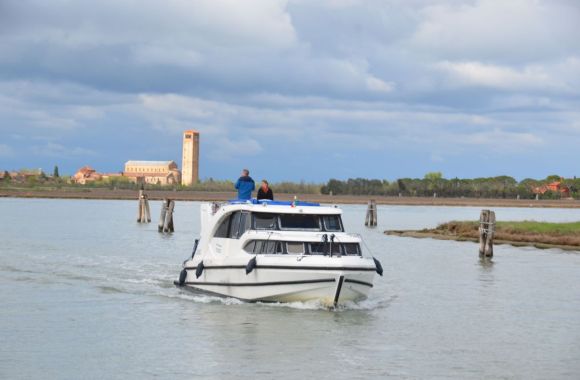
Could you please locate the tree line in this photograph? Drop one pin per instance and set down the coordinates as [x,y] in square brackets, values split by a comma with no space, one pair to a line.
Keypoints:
[434,184]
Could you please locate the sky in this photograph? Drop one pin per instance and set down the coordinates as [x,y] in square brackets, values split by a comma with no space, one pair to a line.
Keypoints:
[294,90]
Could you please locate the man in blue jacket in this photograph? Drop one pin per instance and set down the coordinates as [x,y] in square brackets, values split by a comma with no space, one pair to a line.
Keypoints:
[245,185]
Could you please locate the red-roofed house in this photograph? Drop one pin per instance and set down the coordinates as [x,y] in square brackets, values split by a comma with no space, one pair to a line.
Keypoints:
[556,187]
[86,174]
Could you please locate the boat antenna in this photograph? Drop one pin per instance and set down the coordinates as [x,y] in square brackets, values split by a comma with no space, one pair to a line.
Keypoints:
[366,246]
[270,233]
[331,242]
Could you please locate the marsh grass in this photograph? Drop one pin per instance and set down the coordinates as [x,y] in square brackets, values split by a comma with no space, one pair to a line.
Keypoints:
[522,231]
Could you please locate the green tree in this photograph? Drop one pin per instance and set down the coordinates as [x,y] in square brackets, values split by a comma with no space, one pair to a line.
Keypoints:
[432,182]
[433,176]
[553,178]
[55,172]
[401,186]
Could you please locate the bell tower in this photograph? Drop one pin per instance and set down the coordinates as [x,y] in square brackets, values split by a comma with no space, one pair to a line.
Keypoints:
[190,163]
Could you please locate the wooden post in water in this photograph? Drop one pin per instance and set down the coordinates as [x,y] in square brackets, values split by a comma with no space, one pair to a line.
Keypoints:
[486,233]
[144,215]
[162,216]
[371,218]
[167,227]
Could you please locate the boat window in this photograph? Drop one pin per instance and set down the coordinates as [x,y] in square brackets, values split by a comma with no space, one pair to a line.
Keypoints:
[332,222]
[250,246]
[298,248]
[244,223]
[235,225]
[222,231]
[265,221]
[265,247]
[279,248]
[259,246]
[299,222]
[318,248]
[351,249]
[335,247]
[295,248]
[240,224]
[269,247]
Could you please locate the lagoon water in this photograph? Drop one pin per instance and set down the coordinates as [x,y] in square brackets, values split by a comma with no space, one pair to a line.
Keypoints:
[87,293]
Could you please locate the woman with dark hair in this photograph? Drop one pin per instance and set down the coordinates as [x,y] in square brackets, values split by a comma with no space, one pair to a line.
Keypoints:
[265,192]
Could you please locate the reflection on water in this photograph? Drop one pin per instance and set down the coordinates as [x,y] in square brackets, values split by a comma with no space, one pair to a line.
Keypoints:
[486,264]
[86,292]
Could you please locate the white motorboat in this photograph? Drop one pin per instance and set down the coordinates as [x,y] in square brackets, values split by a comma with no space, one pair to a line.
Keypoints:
[275,251]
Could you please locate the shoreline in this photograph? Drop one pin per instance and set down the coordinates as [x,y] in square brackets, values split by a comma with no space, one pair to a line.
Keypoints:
[543,235]
[207,196]
[515,243]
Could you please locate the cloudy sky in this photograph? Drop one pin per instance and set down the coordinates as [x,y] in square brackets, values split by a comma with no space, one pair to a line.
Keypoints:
[295,89]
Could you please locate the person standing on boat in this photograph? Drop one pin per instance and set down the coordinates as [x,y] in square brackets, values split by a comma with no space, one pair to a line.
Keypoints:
[265,192]
[245,185]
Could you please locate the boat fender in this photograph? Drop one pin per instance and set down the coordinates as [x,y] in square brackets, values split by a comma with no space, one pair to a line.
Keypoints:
[199,269]
[182,277]
[378,266]
[251,265]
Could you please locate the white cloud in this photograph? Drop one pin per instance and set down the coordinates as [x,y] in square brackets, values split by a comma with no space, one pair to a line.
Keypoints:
[498,139]
[227,148]
[479,74]
[376,84]
[506,31]
[428,77]
[51,149]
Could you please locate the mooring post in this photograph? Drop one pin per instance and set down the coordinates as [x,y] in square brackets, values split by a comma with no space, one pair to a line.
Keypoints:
[144,214]
[486,233]
[140,209]
[147,209]
[371,217]
[168,223]
[162,216]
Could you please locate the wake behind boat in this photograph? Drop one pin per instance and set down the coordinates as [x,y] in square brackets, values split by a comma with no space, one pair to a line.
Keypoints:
[275,251]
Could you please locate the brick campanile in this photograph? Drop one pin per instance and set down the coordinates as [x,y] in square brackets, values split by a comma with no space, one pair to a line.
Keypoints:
[190,163]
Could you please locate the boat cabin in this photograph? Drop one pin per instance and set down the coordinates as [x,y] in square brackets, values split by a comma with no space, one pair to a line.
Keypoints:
[286,228]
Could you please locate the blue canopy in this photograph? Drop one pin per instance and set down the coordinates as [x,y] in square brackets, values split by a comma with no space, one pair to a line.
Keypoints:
[273,203]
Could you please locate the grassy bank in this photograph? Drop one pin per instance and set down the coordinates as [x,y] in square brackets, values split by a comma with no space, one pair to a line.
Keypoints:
[538,234]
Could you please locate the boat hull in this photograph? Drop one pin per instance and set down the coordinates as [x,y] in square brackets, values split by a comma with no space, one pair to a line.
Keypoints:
[285,284]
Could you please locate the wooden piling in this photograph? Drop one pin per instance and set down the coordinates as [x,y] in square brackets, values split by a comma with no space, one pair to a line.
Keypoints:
[162,216]
[144,213]
[169,206]
[371,217]
[486,233]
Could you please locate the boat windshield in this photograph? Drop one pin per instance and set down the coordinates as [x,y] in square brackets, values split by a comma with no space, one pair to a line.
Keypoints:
[299,222]
[296,222]
[265,221]
[332,223]
[234,225]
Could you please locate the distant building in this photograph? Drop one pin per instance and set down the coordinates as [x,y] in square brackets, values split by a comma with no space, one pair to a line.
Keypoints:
[556,187]
[86,174]
[152,172]
[190,163]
